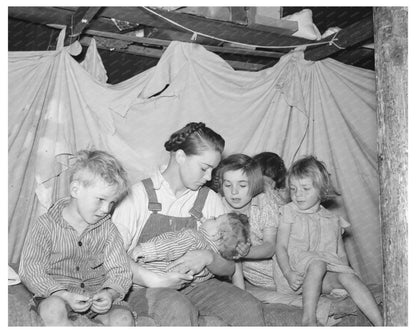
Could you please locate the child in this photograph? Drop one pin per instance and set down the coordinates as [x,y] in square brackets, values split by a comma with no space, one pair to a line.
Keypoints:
[240,182]
[274,174]
[73,259]
[310,250]
[221,234]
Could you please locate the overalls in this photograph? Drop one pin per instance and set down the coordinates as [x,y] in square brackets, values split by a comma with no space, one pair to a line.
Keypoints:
[158,223]
[169,307]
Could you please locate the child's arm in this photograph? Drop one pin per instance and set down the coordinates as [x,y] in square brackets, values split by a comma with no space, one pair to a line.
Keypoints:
[34,261]
[267,249]
[294,279]
[238,276]
[116,263]
[268,217]
[342,254]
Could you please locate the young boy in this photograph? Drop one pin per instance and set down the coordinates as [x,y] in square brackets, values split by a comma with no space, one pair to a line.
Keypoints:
[73,259]
[222,234]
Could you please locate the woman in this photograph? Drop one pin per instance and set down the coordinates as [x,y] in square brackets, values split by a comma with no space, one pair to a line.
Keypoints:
[171,200]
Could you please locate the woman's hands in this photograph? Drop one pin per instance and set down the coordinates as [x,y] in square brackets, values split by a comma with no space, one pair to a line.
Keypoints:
[173,280]
[192,262]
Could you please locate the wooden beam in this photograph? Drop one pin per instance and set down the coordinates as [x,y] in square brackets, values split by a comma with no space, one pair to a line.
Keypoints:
[81,18]
[58,16]
[347,37]
[221,29]
[115,46]
[165,43]
[391,64]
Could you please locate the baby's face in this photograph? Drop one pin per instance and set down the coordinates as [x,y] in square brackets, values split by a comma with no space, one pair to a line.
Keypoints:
[212,225]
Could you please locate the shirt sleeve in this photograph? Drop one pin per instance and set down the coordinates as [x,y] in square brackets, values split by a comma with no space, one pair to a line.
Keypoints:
[269,213]
[172,245]
[343,224]
[286,214]
[116,263]
[131,215]
[34,261]
[213,205]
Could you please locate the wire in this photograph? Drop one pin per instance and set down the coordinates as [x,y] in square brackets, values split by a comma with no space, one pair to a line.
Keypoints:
[196,33]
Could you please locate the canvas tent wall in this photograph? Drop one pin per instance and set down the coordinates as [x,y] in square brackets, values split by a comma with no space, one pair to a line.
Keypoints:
[58,106]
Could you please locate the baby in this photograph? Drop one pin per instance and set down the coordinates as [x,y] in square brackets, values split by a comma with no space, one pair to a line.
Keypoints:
[221,234]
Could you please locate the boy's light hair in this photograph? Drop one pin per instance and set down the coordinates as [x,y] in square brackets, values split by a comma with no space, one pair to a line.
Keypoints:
[233,230]
[310,167]
[91,165]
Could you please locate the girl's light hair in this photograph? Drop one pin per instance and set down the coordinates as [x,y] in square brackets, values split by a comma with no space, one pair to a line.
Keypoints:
[91,165]
[310,167]
[240,162]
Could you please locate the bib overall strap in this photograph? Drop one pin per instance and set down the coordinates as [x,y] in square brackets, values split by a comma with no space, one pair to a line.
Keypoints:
[154,206]
[196,210]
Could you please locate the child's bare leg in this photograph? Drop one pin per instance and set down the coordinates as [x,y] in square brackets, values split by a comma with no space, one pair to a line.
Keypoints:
[116,317]
[53,312]
[312,286]
[362,296]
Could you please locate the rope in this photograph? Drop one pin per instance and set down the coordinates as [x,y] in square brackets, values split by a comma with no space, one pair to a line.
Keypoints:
[196,33]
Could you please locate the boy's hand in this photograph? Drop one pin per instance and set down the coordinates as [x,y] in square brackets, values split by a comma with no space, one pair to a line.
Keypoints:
[101,301]
[137,253]
[243,249]
[294,279]
[77,302]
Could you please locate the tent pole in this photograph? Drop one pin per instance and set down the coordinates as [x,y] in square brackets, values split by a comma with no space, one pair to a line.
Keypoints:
[390,39]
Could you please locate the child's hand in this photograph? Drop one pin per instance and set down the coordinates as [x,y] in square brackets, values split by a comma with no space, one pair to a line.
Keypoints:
[101,301]
[294,279]
[77,302]
[243,249]
[137,253]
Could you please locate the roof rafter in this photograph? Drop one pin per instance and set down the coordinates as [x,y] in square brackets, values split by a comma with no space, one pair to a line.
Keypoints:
[354,34]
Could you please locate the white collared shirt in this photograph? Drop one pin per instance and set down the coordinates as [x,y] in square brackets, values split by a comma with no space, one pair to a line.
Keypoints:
[132,213]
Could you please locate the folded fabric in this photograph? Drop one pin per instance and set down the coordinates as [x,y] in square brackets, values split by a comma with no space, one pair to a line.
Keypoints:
[330,31]
[13,277]
[306,28]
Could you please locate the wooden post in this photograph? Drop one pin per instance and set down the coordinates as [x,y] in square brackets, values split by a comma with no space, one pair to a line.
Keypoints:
[390,41]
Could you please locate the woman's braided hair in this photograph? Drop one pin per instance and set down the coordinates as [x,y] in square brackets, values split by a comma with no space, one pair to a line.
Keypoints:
[194,138]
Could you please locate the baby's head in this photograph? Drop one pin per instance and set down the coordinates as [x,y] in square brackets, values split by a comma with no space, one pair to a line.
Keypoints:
[239,179]
[307,178]
[97,182]
[228,230]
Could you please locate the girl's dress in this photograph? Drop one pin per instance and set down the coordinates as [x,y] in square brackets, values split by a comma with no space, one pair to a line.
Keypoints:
[314,235]
[263,213]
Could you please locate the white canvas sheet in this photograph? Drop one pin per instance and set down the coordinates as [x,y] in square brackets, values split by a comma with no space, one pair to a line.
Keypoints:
[58,106]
